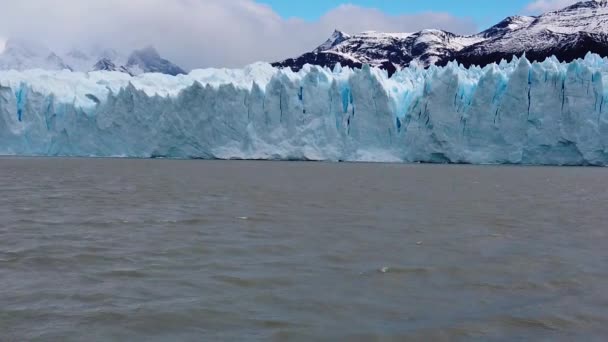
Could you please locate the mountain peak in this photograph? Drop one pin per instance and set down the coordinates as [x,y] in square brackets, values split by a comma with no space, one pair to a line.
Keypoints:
[507,25]
[106,64]
[147,52]
[586,4]
[336,38]
[149,60]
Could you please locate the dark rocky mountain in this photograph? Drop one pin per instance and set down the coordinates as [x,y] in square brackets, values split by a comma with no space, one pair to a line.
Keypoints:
[106,64]
[568,33]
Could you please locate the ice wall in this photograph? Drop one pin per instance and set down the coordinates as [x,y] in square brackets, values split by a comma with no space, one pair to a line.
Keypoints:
[541,113]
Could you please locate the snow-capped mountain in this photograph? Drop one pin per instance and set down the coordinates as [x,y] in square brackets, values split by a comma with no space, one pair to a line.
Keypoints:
[23,55]
[568,34]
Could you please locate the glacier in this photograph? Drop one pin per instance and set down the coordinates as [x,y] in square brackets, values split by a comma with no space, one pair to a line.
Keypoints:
[541,113]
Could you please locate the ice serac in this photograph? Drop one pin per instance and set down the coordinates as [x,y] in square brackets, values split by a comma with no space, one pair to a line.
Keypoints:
[519,112]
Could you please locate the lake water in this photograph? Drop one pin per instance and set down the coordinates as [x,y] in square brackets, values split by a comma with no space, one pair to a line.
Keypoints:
[161,250]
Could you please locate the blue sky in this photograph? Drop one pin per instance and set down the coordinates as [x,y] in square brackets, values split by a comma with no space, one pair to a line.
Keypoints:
[483,12]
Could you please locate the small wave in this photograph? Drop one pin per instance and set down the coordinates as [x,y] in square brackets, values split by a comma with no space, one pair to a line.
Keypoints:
[399,270]
[545,322]
[254,282]
[124,273]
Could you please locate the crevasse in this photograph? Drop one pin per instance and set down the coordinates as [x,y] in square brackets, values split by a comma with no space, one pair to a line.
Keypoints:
[547,113]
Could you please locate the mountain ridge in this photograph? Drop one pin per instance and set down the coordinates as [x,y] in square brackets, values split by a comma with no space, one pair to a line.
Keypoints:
[567,33]
[22,55]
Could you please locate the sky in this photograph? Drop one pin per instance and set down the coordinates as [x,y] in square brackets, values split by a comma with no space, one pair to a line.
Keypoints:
[234,33]
[484,13]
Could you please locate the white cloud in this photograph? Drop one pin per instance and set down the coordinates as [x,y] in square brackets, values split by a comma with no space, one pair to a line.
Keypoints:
[199,33]
[542,6]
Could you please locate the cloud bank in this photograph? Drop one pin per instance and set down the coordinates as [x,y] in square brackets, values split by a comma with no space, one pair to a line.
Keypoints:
[199,33]
[542,6]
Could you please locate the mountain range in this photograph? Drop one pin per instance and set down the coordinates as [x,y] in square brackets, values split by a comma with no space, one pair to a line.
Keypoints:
[22,55]
[568,33]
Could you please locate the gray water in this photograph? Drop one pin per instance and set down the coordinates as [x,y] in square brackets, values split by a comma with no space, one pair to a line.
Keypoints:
[158,250]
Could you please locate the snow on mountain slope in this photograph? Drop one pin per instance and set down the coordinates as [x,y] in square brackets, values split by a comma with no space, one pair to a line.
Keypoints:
[22,55]
[508,25]
[590,16]
[568,33]
[384,49]
[518,112]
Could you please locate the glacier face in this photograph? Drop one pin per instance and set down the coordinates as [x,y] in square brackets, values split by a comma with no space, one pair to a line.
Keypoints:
[548,113]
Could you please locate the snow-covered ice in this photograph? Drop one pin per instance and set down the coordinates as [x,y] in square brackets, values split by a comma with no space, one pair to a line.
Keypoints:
[519,112]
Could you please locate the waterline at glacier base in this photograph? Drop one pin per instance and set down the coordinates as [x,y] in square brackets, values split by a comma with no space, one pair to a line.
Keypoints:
[546,113]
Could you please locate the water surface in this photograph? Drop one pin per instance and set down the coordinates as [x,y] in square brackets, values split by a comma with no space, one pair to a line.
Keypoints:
[155,250]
